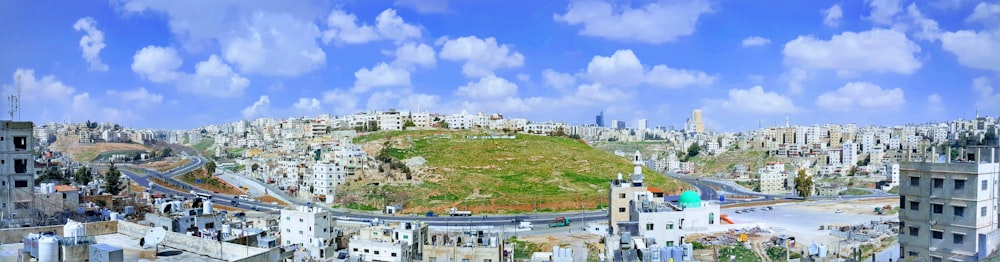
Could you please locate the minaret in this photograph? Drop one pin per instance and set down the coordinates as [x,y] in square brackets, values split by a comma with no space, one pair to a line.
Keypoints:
[637,177]
[786,122]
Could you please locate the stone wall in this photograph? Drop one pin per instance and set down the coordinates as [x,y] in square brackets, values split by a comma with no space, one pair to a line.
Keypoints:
[14,235]
[205,247]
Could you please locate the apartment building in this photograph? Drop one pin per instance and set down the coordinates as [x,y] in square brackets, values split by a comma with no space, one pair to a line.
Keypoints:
[948,211]
[400,242]
[622,192]
[772,178]
[17,172]
[309,227]
[326,177]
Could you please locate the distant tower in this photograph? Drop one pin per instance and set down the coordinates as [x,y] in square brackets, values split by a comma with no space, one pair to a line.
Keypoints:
[696,122]
[600,119]
[787,124]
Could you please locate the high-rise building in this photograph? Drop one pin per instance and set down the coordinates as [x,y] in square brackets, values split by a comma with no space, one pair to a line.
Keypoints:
[17,172]
[947,211]
[641,124]
[600,119]
[309,227]
[695,124]
[617,124]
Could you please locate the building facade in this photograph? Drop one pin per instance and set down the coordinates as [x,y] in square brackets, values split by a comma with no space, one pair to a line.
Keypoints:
[309,227]
[17,172]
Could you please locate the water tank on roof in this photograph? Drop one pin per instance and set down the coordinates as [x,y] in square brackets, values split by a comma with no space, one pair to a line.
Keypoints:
[48,249]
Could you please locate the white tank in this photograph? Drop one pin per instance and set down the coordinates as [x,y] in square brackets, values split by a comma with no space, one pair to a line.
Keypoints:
[206,207]
[73,229]
[227,229]
[117,216]
[48,249]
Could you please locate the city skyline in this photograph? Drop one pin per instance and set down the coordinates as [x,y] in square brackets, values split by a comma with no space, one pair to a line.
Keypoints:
[162,65]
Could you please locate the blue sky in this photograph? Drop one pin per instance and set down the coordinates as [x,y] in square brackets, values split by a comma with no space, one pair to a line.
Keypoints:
[182,64]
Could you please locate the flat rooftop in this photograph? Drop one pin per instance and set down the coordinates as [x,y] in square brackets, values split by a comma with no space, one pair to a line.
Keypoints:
[130,247]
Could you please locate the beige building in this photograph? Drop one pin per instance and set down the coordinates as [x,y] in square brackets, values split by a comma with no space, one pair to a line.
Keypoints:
[948,211]
[622,192]
[487,247]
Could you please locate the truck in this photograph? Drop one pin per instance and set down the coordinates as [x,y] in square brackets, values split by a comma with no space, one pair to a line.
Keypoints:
[525,225]
[560,222]
[431,214]
[459,213]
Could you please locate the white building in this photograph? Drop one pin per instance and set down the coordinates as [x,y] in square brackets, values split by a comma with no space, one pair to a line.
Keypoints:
[668,223]
[948,211]
[309,227]
[849,155]
[772,178]
[400,242]
[892,174]
[326,177]
[642,124]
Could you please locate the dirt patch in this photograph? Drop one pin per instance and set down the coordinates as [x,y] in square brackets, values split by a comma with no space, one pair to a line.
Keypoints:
[270,199]
[87,152]
[864,207]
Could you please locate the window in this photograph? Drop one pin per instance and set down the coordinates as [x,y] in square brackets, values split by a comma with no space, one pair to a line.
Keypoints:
[959,184]
[959,211]
[649,226]
[937,234]
[300,232]
[288,230]
[938,182]
[670,225]
[288,218]
[20,166]
[376,252]
[20,183]
[670,243]
[914,181]
[983,187]
[366,251]
[982,211]
[711,218]
[902,202]
[300,220]
[914,231]
[914,205]
[937,208]
[912,254]
[393,254]
[622,195]
[957,238]
[20,143]
[621,210]
[432,259]
[355,249]
[935,259]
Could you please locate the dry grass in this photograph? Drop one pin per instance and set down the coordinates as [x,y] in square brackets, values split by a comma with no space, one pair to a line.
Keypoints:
[269,199]
[209,182]
[166,165]
[160,182]
[87,152]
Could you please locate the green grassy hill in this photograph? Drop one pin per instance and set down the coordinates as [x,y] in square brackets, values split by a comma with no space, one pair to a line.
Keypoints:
[496,175]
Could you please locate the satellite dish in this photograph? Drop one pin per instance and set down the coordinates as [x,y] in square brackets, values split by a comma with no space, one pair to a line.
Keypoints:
[153,237]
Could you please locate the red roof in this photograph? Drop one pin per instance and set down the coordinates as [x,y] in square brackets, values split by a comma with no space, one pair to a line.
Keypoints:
[64,188]
[654,190]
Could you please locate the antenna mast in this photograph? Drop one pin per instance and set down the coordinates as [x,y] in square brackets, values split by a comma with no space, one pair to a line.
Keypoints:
[14,100]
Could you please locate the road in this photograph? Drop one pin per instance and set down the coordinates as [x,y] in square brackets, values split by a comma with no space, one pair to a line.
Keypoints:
[705,186]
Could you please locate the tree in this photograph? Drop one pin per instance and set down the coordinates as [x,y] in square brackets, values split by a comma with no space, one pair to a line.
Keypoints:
[443,124]
[408,123]
[254,167]
[803,184]
[210,167]
[693,150]
[166,152]
[559,132]
[112,182]
[83,176]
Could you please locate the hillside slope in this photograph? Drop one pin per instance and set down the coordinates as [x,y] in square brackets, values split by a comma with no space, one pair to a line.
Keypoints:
[490,175]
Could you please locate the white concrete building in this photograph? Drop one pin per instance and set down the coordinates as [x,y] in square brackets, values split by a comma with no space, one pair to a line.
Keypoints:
[892,174]
[400,242]
[326,177]
[948,211]
[772,178]
[311,228]
[849,154]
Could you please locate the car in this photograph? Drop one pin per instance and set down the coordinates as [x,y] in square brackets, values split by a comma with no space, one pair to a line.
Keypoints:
[839,211]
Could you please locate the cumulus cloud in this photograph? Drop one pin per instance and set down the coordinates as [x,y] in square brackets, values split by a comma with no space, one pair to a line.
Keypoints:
[986,13]
[923,28]
[379,76]
[883,11]
[488,87]
[258,108]
[423,102]
[344,28]
[832,15]
[861,95]
[425,6]
[83,106]
[623,69]
[755,41]
[934,103]
[157,64]
[91,43]
[795,77]
[139,97]
[558,80]
[212,77]
[343,102]
[307,105]
[656,22]
[37,90]
[756,101]
[262,37]
[975,49]
[414,53]
[481,56]
[988,99]
[878,50]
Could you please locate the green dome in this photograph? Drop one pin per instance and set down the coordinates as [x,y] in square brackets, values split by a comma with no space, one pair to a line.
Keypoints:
[690,199]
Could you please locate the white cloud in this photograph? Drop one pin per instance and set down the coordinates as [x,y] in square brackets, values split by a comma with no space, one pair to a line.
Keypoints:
[488,87]
[423,102]
[344,28]
[883,11]
[414,53]
[878,50]
[425,6]
[657,22]
[623,69]
[974,49]
[795,77]
[986,13]
[343,102]
[212,77]
[307,105]
[861,95]
[832,15]
[924,28]
[524,77]
[264,37]
[85,107]
[139,97]
[379,76]
[934,103]
[755,41]
[258,109]
[275,44]
[481,56]
[157,64]
[91,43]
[37,90]
[558,80]
[988,99]
[756,101]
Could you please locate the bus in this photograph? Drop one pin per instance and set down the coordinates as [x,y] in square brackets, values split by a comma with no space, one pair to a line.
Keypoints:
[201,195]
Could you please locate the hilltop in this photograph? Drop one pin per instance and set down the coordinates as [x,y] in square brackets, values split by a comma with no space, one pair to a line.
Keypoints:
[70,145]
[492,175]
